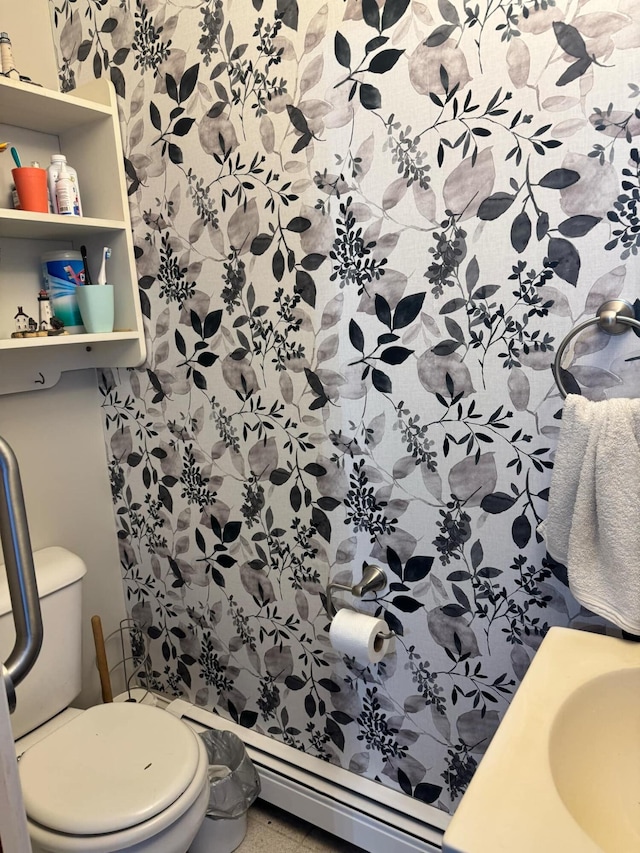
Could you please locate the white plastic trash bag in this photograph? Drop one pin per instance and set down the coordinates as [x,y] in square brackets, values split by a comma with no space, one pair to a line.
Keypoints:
[233,780]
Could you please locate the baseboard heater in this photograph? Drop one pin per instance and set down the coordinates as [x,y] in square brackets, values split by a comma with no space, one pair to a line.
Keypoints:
[358,810]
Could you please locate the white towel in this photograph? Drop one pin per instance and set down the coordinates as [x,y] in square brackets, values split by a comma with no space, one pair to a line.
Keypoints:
[593,523]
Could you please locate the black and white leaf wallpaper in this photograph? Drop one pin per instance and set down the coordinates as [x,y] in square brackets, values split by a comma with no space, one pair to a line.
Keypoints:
[362,229]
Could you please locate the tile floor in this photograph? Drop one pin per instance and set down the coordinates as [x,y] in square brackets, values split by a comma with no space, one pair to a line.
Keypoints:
[272,830]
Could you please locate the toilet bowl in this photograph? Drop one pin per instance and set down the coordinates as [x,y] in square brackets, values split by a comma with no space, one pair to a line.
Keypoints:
[115,777]
[121,776]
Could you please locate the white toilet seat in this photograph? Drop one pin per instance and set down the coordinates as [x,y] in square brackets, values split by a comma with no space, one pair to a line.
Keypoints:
[174,800]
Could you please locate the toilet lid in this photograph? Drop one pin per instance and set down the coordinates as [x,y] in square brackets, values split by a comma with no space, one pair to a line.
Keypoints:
[109,768]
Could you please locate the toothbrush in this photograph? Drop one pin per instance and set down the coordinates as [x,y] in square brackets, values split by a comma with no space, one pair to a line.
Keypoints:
[87,274]
[102,275]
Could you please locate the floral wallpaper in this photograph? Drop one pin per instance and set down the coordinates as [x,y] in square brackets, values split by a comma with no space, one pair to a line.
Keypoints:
[362,229]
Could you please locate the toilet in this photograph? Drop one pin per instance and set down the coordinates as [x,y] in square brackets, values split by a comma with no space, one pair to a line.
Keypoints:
[120,776]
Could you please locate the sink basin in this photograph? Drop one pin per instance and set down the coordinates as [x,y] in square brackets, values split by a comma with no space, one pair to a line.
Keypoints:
[594,749]
[563,770]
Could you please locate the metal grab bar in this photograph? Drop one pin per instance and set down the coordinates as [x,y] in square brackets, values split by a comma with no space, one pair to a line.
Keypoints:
[21,577]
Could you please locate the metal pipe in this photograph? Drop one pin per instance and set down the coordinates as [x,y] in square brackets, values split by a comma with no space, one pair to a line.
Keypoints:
[21,577]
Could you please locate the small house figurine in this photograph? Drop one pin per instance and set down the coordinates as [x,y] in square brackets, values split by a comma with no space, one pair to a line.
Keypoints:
[26,326]
[21,321]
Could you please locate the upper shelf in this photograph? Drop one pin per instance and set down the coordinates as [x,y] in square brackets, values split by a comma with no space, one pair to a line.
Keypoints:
[50,226]
[46,111]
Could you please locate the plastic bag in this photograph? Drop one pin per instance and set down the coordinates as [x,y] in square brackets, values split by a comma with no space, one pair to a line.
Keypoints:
[233,780]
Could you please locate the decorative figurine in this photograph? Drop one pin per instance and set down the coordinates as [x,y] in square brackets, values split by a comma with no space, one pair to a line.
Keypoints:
[44,311]
[26,326]
[57,327]
[22,322]
[7,63]
[6,58]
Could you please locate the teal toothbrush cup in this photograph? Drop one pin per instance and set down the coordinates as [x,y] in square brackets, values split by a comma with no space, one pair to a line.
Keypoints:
[96,307]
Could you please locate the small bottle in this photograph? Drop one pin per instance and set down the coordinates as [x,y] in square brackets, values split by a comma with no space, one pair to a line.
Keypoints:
[56,161]
[65,196]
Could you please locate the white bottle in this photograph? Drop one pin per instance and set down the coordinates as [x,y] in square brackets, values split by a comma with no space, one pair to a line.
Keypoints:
[65,193]
[56,161]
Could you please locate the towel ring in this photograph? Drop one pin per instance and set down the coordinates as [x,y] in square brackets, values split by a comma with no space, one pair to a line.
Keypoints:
[615,317]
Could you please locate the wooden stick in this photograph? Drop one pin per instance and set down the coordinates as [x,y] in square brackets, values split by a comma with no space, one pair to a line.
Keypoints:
[101,659]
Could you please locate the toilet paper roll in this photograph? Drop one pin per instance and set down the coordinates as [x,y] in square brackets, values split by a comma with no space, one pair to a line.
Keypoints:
[358,636]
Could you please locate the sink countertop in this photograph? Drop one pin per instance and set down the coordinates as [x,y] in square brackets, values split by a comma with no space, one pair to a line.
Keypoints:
[513,804]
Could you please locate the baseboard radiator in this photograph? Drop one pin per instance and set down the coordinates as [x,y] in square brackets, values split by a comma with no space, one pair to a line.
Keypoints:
[358,810]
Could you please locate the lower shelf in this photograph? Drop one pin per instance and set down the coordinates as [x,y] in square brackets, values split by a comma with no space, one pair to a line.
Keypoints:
[66,340]
[29,364]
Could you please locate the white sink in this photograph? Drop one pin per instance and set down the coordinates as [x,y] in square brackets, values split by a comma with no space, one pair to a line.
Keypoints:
[562,774]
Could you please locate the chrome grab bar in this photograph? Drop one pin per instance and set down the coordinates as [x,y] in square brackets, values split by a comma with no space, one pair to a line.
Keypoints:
[21,576]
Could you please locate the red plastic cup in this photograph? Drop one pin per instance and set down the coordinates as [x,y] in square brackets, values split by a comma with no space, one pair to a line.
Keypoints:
[31,184]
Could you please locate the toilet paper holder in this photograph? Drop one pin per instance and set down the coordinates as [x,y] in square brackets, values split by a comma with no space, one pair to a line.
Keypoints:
[373,579]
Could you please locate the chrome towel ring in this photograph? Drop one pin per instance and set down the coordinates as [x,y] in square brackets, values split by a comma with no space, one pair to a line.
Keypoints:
[615,316]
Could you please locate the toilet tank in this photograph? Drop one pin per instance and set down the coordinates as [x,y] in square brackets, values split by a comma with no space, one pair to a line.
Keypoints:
[55,679]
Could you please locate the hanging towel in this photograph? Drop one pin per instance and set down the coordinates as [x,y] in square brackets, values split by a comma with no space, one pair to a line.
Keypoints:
[593,523]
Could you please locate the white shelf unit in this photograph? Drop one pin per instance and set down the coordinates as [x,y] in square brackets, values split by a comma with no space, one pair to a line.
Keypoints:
[83,126]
